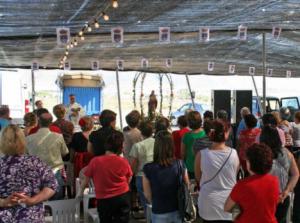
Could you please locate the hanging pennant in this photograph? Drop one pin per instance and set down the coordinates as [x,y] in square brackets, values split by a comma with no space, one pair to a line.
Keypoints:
[288,73]
[169,62]
[242,32]
[35,65]
[276,32]
[204,35]
[164,34]
[62,36]
[269,72]
[67,65]
[144,63]
[252,71]
[120,64]
[231,69]
[95,65]
[117,35]
[210,66]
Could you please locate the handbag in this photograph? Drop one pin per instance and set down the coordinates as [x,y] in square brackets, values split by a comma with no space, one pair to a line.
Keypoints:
[186,207]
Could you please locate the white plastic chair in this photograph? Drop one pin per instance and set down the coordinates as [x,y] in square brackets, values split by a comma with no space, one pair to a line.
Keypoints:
[64,211]
[149,211]
[290,210]
[87,195]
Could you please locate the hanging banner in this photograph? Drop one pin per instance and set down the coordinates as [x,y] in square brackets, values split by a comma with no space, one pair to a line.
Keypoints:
[95,65]
[62,36]
[67,65]
[231,69]
[117,35]
[35,65]
[120,64]
[288,73]
[144,63]
[242,32]
[252,71]
[164,34]
[276,32]
[210,66]
[269,72]
[204,35]
[169,62]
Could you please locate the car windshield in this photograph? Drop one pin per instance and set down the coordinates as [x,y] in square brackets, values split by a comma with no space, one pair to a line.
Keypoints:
[184,108]
[274,104]
[290,102]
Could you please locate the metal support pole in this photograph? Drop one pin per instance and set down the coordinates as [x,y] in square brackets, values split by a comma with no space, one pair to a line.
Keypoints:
[257,95]
[190,90]
[119,98]
[264,71]
[32,89]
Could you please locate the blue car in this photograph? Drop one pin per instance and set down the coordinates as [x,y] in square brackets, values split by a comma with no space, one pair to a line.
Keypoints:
[183,109]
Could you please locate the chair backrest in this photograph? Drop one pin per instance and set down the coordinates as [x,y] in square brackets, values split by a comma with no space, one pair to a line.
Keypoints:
[64,211]
[78,186]
[69,167]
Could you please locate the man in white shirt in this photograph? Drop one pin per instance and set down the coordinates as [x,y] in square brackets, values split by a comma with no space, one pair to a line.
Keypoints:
[74,112]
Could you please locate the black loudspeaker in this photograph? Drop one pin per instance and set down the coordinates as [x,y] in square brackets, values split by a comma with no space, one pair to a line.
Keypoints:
[221,100]
[240,99]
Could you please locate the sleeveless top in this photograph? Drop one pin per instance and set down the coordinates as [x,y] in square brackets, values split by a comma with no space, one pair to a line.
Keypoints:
[212,195]
[281,167]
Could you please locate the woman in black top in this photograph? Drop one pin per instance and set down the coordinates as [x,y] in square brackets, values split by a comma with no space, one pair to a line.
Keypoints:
[79,144]
[160,180]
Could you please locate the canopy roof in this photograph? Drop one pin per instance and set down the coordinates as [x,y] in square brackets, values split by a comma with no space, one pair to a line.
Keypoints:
[28,32]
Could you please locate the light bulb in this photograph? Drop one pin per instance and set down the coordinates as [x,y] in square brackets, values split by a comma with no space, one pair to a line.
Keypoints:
[68,46]
[89,28]
[75,42]
[105,17]
[65,58]
[80,33]
[71,45]
[67,53]
[96,25]
[82,38]
[115,4]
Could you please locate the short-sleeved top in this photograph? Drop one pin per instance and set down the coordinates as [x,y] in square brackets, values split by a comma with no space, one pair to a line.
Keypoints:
[188,141]
[110,174]
[24,174]
[257,196]
[143,151]
[296,134]
[131,136]
[99,138]
[79,142]
[48,146]
[66,128]
[177,138]
[246,139]
[164,186]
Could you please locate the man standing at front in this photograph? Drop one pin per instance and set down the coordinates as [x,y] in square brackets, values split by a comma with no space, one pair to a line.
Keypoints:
[49,147]
[74,112]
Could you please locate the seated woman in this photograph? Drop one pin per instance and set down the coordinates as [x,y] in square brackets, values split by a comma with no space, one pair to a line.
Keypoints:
[111,175]
[257,195]
[216,171]
[25,181]
[79,144]
[160,180]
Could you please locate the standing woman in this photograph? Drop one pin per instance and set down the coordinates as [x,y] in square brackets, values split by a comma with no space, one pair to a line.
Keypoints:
[216,169]
[284,167]
[25,180]
[161,178]
[79,144]
[30,122]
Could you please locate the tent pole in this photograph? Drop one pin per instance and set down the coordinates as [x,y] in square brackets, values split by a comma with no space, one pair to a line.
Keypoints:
[190,90]
[32,88]
[264,72]
[256,91]
[119,98]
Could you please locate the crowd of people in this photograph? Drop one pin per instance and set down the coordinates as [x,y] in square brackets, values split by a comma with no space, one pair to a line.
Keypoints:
[141,165]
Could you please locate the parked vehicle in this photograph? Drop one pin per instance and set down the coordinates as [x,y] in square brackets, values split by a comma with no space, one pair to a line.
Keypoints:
[272,104]
[182,110]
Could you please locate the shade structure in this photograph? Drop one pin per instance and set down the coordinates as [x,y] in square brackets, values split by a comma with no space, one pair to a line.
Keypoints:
[28,32]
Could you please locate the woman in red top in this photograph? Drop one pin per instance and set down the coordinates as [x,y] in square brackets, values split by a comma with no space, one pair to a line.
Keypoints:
[111,175]
[178,134]
[247,138]
[257,195]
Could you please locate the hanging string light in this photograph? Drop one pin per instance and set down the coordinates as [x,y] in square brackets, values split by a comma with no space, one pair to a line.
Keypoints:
[80,32]
[115,4]
[75,42]
[82,38]
[67,53]
[71,45]
[105,16]
[68,46]
[96,24]
[89,28]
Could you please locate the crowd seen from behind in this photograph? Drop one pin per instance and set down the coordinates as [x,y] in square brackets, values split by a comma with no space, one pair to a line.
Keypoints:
[142,164]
